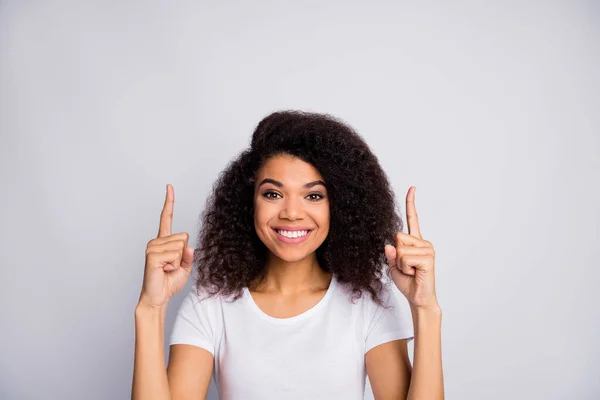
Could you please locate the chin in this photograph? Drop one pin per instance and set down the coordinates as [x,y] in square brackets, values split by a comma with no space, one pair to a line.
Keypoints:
[291,256]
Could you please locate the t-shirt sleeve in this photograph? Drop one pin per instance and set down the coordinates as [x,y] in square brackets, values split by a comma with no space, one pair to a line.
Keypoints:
[391,323]
[192,325]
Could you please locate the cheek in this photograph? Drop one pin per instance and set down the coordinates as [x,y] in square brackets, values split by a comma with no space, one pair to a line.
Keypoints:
[322,218]
[262,215]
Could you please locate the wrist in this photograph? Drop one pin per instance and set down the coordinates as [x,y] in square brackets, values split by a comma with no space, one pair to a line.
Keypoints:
[426,318]
[144,310]
[430,310]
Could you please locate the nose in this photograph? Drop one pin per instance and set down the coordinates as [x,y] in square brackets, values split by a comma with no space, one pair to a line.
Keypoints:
[292,209]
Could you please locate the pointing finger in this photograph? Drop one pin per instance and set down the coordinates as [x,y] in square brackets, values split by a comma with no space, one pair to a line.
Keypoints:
[166,216]
[411,214]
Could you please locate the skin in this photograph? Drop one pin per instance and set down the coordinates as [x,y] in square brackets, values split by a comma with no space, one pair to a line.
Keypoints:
[412,265]
[293,283]
[168,266]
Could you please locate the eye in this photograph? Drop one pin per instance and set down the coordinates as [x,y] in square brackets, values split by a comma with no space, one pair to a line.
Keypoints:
[319,196]
[267,195]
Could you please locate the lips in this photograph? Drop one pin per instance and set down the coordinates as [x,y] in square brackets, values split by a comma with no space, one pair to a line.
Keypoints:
[288,240]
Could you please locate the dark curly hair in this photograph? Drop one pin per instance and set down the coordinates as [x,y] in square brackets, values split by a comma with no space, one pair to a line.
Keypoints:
[363,210]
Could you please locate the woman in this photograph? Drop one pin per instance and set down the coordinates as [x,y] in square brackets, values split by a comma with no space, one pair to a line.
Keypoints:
[289,301]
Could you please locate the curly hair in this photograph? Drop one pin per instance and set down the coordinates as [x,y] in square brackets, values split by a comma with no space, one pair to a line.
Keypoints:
[363,210]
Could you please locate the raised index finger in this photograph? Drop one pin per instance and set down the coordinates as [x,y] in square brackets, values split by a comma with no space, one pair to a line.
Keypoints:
[411,213]
[166,216]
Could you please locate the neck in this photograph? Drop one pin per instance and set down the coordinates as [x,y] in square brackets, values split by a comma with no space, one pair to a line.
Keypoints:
[289,277]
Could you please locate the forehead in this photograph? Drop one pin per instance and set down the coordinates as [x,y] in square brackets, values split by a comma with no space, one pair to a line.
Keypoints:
[288,169]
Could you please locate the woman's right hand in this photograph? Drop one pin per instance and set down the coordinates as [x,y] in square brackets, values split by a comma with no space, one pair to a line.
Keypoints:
[168,260]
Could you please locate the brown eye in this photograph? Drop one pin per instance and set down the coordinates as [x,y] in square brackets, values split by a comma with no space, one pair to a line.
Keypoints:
[315,196]
[266,195]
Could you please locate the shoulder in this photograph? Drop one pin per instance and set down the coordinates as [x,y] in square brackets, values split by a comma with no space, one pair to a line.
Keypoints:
[365,303]
[380,322]
[199,319]
[199,298]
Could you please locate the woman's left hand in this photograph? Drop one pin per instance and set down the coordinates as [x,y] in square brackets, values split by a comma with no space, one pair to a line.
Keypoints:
[412,261]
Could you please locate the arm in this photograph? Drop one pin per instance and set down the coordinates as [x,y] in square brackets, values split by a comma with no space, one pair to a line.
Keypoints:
[168,266]
[412,268]
[190,367]
[427,378]
[149,374]
[389,369]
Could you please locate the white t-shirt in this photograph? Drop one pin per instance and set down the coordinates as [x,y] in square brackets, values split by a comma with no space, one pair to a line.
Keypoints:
[319,354]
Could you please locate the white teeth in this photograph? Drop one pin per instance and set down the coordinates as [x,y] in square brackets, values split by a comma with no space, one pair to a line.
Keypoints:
[292,234]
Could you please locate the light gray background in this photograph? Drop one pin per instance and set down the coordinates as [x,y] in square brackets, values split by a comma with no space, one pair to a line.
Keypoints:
[489,108]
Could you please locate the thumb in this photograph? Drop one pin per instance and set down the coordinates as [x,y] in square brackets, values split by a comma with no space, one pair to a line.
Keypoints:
[187,258]
[390,254]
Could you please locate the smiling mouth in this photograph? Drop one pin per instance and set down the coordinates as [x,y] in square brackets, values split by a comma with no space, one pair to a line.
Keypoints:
[292,237]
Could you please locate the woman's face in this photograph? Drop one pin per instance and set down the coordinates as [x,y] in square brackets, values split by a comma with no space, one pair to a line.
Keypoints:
[291,208]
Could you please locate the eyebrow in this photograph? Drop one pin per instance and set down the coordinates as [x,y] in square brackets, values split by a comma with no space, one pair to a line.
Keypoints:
[279,184]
